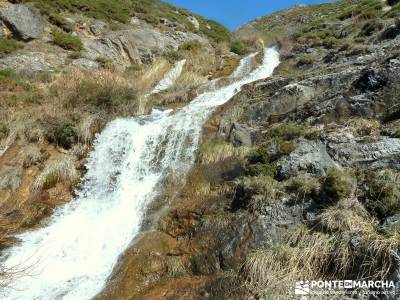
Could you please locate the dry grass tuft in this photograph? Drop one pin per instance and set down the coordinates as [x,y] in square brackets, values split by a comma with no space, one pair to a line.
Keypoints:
[176,266]
[211,152]
[60,169]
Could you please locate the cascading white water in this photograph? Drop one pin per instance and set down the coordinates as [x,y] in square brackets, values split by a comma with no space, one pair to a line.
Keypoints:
[72,257]
[245,66]
[169,78]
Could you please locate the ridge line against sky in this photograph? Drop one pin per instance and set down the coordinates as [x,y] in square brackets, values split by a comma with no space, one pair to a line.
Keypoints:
[234,13]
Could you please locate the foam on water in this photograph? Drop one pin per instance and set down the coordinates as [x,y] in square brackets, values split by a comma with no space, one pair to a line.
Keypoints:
[72,257]
[169,78]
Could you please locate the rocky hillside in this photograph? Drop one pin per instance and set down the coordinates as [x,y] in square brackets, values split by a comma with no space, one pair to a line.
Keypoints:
[297,177]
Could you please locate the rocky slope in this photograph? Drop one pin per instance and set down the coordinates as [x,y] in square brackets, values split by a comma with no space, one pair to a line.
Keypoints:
[297,177]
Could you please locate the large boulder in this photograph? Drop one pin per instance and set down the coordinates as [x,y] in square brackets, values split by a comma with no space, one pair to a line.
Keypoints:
[24,23]
[241,135]
[309,157]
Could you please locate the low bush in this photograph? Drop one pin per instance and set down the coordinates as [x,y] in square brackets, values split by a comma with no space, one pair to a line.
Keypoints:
[66,40]
[239,47]
[383,192]
[190,46]
[303,185]
[307,59]
[8,46]
[133,70]
[260,161]
[60,21]
[61,169]
[289,131]
[65,135]
[75,55]
[339,184]
[370,27]
[254,193]
[3,130]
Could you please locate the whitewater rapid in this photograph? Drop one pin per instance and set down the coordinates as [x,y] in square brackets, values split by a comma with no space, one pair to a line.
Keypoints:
[170,78]
[72,257]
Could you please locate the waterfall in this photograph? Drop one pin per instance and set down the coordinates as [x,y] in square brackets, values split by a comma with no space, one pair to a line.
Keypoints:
[169,78]
[74,254]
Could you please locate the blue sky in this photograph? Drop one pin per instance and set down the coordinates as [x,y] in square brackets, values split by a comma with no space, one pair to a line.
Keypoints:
[233,13]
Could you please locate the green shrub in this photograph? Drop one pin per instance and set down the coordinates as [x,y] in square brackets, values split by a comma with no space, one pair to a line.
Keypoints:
[304,185]
[260,161]
[257,192]
[239,48]
[215,31]
[133,70]
[190,46]
[307,59]
[60,21]
[8,46]
[66,40]
[8,74]
[3,131]
[65,135]
[289,131]
[75,55]
[370,27]
[265,169]
[338,184]
[394,12]
[383,192]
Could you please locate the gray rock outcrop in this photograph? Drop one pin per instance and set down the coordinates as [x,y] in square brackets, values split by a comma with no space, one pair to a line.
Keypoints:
[138,45]
[23,22]
[309,157]
[382,154]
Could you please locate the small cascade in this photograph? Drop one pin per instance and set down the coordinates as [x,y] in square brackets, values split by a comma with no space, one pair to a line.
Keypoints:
[72,257]
[170,78]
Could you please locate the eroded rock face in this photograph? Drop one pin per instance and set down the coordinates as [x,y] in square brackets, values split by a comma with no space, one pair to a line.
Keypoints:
[32,62]
[309,157]
[382,154]
[138,45]
[22,21]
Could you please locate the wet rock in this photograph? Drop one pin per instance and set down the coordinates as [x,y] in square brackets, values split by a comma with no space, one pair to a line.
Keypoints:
[22,21]
[309,157]
[234,243]
[382,154]
[371,80]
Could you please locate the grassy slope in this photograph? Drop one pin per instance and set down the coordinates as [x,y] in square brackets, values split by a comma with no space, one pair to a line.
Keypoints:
[302,18]
[122,10]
